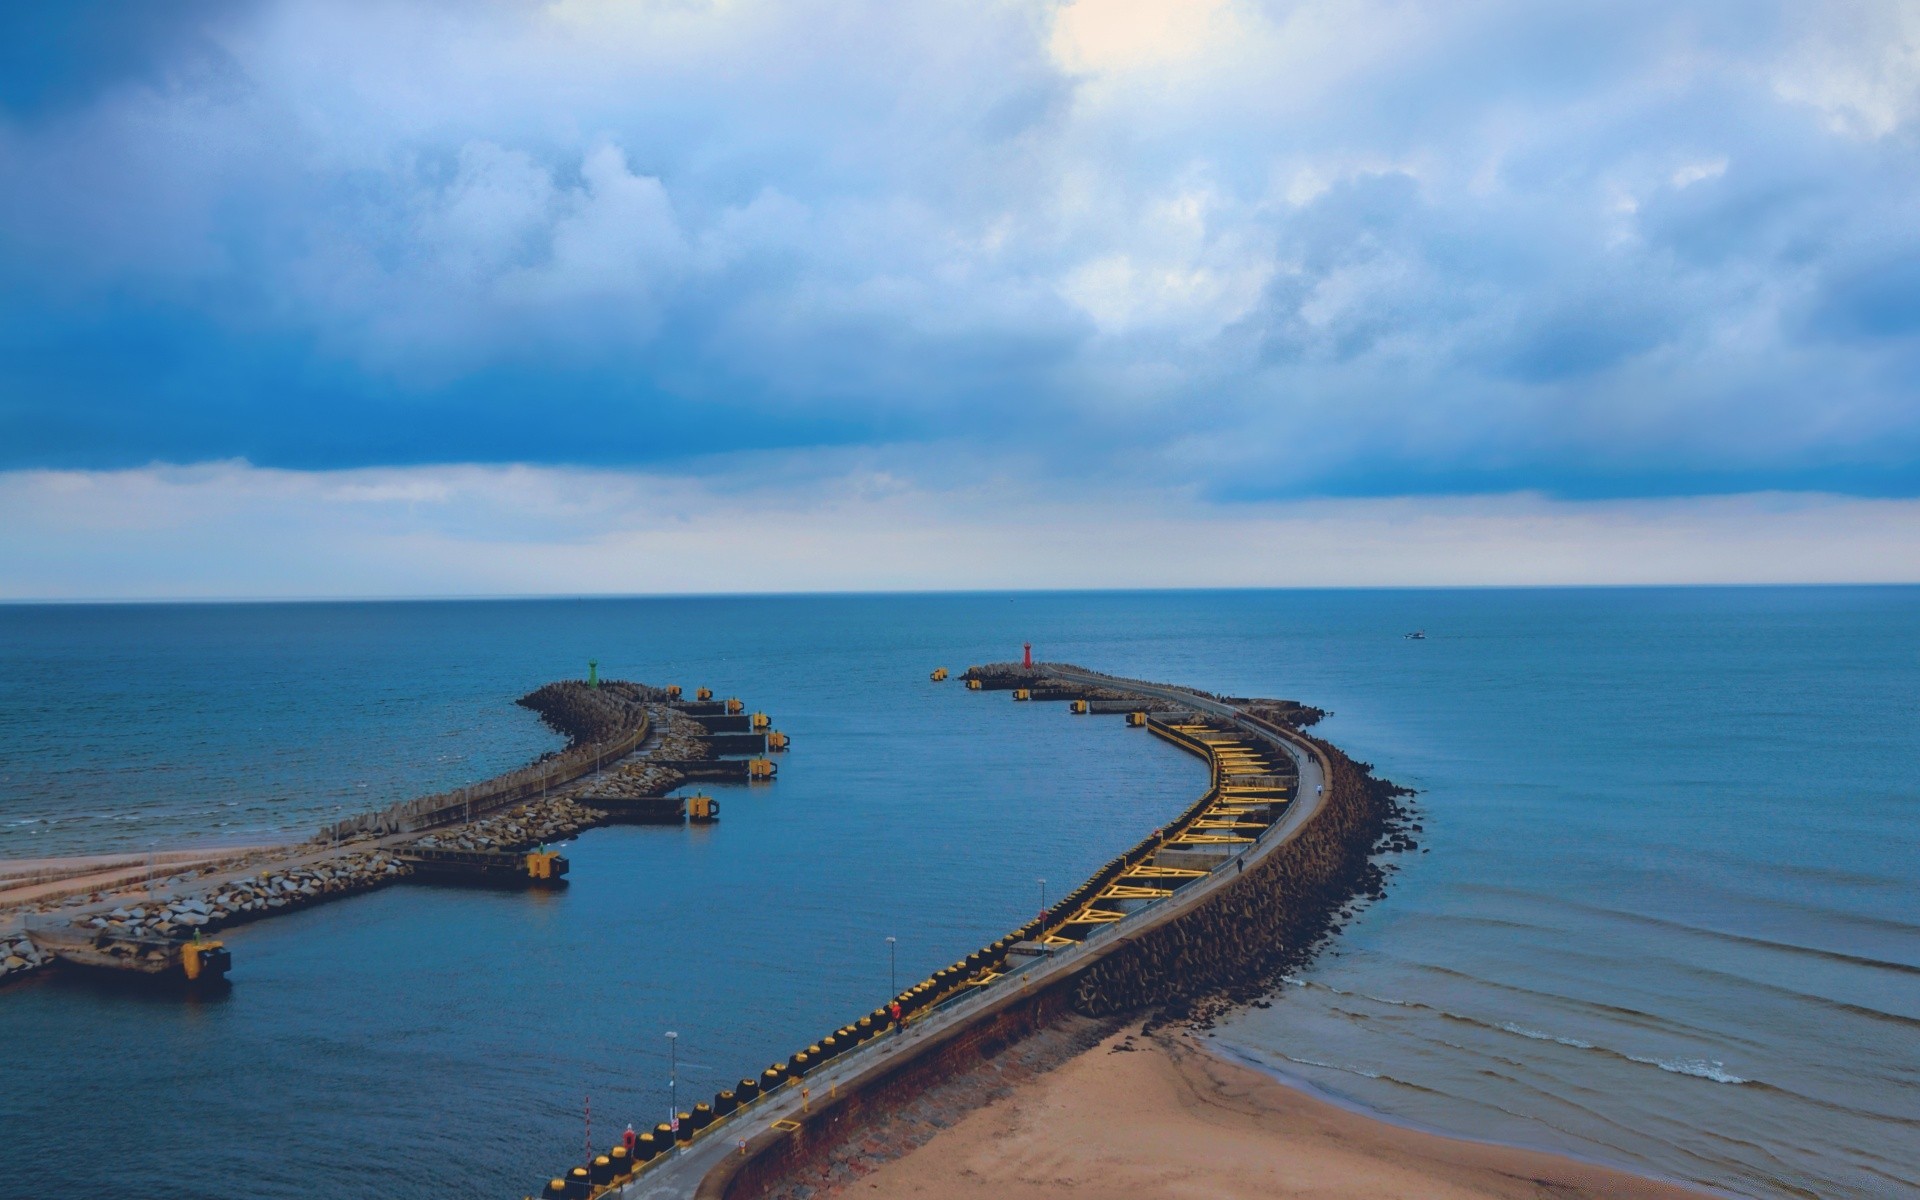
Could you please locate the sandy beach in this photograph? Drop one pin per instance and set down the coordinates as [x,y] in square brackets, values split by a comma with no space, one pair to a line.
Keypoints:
[1166,1118]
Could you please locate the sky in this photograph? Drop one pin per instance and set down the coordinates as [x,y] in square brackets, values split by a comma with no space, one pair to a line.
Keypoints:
[337,297]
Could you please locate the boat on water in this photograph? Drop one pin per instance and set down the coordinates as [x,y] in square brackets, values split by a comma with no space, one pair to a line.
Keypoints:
[1418,635]
[187,960]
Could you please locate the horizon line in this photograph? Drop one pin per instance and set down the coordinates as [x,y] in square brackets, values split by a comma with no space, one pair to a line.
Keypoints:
[529,597]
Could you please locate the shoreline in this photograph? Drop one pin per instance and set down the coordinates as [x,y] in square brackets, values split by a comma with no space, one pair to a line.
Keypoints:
[1167,1114]
[1232,1055]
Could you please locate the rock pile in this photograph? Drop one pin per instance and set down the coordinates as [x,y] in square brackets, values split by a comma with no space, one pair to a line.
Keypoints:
[583,714]
[272,890]
[634,779]
[518,828]
[683,739]
[1282,712]
[19,958]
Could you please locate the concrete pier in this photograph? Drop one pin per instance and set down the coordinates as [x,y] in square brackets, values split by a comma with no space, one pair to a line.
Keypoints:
[1122,939]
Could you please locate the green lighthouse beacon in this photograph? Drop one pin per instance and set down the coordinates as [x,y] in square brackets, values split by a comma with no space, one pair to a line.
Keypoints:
[593,673]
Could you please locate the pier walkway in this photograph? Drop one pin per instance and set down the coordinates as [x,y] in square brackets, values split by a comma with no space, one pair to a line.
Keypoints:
[682,1174]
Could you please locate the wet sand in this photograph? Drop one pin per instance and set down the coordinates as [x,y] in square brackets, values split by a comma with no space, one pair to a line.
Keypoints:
[1168,1119]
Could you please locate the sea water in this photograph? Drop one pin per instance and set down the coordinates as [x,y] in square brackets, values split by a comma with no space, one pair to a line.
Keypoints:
[1662,915]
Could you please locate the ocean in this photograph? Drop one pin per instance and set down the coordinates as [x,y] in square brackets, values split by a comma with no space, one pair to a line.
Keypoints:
[1662,915]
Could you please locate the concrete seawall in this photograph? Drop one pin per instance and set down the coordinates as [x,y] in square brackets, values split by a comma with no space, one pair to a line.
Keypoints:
[1264,923]
[798,1155]
[1218,943]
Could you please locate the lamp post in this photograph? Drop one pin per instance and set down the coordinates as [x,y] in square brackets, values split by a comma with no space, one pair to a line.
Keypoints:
[673,1084]
[893,986]
[1043,916]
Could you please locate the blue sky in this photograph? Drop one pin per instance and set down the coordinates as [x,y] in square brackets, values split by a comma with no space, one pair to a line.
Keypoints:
[1249,260]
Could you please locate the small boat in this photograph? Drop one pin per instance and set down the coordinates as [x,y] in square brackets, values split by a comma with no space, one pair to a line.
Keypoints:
[1418,635]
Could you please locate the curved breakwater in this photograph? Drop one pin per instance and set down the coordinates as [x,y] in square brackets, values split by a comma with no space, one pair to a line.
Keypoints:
[1201,910]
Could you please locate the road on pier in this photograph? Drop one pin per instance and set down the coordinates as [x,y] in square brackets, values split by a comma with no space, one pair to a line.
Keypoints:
[678,1178]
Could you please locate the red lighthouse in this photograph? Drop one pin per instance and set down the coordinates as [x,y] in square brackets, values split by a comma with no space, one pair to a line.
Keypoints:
[1027,658]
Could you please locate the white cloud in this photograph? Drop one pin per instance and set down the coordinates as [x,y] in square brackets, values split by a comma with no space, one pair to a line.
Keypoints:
[1110,35]
[1859,64]
[1697,172]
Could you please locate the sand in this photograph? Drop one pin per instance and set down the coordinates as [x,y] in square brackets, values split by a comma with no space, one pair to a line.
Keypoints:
[1169,1119]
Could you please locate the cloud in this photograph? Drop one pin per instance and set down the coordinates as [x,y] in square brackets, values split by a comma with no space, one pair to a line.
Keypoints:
[1248,249]
[232,530]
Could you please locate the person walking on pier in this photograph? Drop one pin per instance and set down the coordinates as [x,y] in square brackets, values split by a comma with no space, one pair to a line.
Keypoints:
[893,1010]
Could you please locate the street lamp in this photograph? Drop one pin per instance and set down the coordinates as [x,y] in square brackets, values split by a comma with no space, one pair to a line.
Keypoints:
[673,1083]
[893,987]
[1043,897]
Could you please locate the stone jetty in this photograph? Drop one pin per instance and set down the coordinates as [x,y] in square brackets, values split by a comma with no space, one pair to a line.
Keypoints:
[680,740]
[520,828]
[252,896]
[618,735]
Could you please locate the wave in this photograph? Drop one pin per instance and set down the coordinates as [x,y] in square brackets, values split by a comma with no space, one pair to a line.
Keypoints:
[1796,995]
[1314,1062]
[1698,1068]
[1831,916]
[1712,1070]
[1538,1036]
[1747,939]
[1261,1060]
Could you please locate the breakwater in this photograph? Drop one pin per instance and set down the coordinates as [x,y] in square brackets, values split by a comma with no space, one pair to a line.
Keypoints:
[1268,921]
[603,724]
[797,1114]
[478,834]
[250,897]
